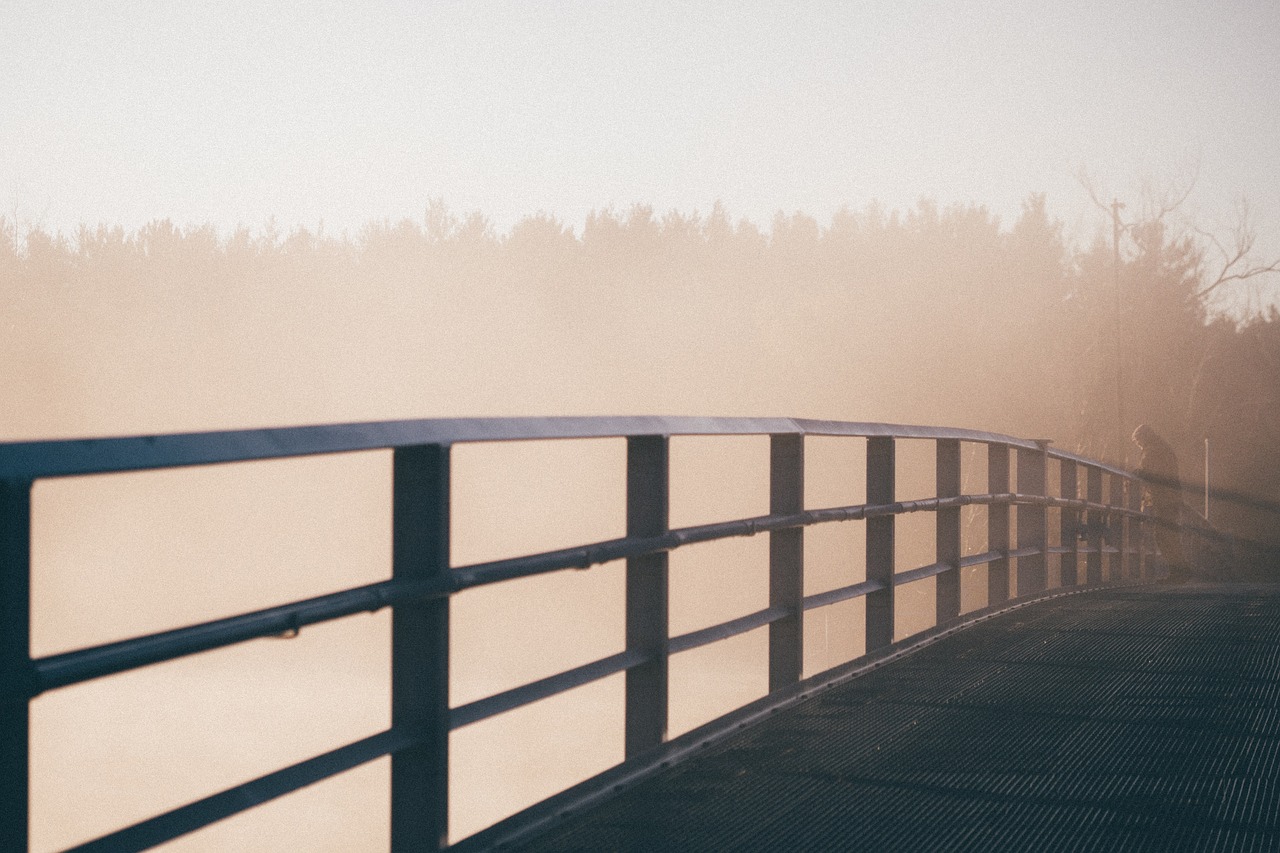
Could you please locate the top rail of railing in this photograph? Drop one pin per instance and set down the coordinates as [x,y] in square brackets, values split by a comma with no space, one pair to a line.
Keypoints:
[33,460]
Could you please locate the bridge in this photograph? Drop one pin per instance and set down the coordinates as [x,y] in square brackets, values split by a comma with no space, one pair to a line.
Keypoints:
[1079,706]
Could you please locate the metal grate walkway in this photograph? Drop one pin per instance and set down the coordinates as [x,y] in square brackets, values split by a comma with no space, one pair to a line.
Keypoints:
[1131,719]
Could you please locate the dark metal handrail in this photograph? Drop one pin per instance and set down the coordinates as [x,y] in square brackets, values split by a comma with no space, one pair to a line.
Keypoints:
[422,579]
[32,460]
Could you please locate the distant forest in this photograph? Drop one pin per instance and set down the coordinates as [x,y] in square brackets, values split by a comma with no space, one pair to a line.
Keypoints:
[944,316]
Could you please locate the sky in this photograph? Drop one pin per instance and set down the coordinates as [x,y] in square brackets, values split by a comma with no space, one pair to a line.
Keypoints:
[233,113]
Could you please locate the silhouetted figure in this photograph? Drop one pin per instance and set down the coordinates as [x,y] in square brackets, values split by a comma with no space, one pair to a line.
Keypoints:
[1158,469]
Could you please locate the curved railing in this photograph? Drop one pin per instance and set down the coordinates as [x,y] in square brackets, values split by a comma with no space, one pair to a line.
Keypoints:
[1107,535]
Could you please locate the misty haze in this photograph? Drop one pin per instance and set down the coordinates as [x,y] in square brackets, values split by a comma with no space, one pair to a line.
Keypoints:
[507,252]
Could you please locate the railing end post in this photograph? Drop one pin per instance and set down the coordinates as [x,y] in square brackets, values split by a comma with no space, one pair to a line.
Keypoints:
[881,486]
[647,591]
[947,530]
[786,560]
[998,524]
[420,649]
[15,657]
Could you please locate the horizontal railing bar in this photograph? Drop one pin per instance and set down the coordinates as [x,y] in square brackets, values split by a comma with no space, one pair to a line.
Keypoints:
[59,458]
[857,429]
[586,556]
[844,593]
[913,575]
[1066,456]
[982,559]
[69,457]
[725,630]
[85,664]
[1029,551]
[512,832]
[73,667]
[474,712]
[193,816]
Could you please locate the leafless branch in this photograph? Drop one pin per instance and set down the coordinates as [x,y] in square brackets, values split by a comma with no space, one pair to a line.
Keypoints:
[1236,263]
[1087,182]
[1164,200]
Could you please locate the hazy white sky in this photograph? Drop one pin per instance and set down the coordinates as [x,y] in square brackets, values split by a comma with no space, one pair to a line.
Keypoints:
[231,112]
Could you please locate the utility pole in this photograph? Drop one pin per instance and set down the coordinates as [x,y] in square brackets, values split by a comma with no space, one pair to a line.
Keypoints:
[1121,446]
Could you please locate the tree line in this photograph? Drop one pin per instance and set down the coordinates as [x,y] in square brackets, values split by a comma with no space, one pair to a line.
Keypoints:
[931,315]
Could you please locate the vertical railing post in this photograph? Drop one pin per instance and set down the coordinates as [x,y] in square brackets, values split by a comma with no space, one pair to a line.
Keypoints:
[1120,498]
[1069,524]
[648,492]
[1136,537]
[1032,521]
[947,530]
[420,649]
[1113,527]
[15,660]
[786,560]
[880,490]
[1093,491]
[998,524]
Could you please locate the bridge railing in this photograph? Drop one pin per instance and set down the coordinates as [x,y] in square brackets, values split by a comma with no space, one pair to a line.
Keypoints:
[1107,534]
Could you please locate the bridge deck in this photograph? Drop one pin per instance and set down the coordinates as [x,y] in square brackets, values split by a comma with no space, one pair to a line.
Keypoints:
[1135,719]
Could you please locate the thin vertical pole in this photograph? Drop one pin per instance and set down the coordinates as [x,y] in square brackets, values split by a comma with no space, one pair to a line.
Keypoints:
[1032,522]
[998,524]
[947,530]
[1093,562]
[648,490]
[15,658]
[786,560]
[1069,521]
[420,649]
[880,490]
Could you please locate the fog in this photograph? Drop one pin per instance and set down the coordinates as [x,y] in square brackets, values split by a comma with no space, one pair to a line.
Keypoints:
[170,329]
[929,315]
[467,209]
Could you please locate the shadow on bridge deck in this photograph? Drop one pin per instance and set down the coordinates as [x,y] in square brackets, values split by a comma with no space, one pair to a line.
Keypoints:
[1136,719]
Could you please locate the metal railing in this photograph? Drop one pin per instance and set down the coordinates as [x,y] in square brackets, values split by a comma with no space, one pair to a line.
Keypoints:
[1108,535]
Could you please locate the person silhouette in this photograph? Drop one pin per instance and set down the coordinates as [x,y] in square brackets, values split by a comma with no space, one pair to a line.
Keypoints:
[1158,470]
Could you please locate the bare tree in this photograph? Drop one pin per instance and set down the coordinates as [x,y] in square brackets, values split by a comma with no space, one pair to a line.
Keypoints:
[1236,261]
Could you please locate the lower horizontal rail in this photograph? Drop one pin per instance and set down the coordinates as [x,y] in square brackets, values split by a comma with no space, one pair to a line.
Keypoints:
[481,709]
[844,593]
[201,813]
[725,630]
[912,575]
[513,830]
[982,559]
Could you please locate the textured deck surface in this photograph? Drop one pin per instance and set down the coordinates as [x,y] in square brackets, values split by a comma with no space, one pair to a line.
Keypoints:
[1139,719]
